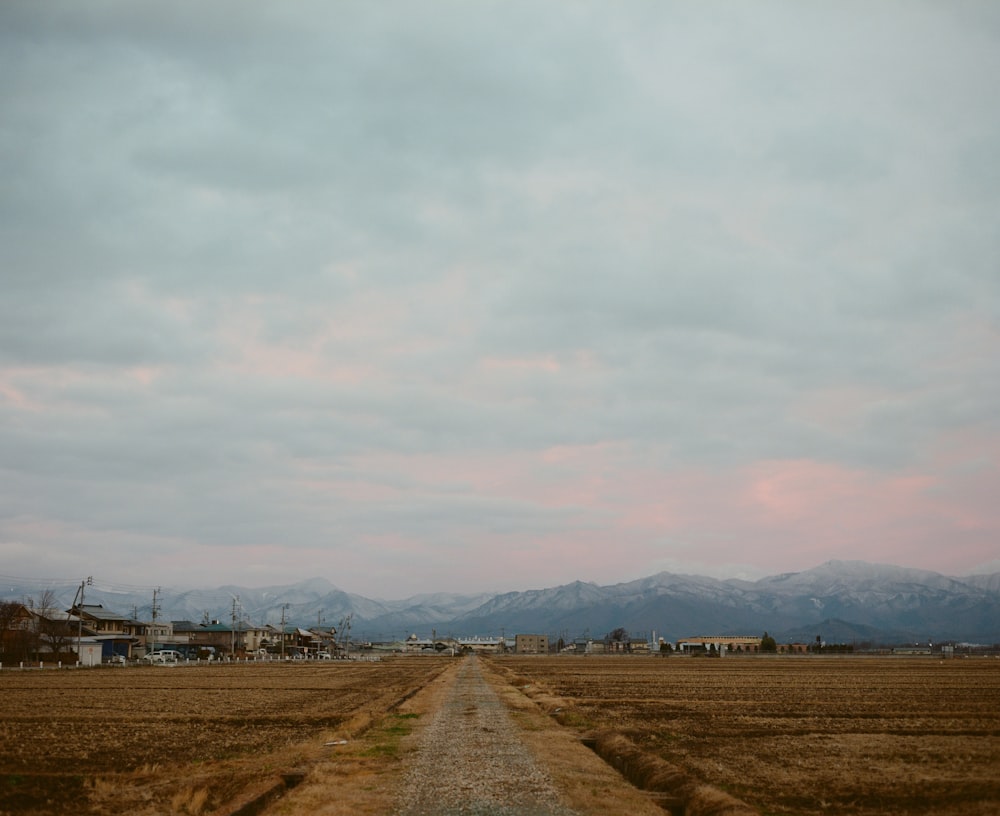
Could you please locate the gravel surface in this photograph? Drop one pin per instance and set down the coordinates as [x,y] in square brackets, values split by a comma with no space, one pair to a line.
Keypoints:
[471,760]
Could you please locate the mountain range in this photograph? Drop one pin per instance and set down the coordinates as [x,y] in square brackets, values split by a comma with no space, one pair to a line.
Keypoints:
[840,601]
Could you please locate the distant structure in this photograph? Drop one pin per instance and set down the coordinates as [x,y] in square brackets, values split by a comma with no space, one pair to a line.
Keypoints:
[722,644]
[531,644]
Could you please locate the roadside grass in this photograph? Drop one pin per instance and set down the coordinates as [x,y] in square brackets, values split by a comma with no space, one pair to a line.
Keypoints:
[388,735]
[189,800]
[589,785]
[364,777]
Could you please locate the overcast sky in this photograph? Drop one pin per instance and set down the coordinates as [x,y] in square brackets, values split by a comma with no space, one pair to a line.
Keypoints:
[453,296]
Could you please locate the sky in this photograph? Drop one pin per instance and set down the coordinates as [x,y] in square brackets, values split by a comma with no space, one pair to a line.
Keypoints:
[463,297]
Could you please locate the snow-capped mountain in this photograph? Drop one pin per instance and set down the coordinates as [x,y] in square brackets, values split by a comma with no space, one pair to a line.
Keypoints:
[872,601]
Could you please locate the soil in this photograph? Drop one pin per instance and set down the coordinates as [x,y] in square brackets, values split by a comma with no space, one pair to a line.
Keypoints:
[452,737]
[181,739]
[809,735]
[786,735]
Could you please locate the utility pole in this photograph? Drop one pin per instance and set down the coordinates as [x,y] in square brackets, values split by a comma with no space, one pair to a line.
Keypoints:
[319,631]
[151,640]
[232,631]
[283,608]
[79,615]
[79,631]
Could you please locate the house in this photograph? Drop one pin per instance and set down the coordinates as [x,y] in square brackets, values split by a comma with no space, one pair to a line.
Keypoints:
[531,644]
[192,638]
[116,633]
[30,633]
[17,632]
[254,638]
[153,635]
[305,641]
[217,637]
[484,645]
[103,621]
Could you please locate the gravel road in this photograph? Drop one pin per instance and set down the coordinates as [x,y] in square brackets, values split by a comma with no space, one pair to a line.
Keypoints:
[471,760]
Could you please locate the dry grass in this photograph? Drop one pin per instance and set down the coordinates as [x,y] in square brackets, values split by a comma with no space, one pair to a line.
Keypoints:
[189,800]
[805,736]
[859,736]
[365,776]
[186,740]
[589,785]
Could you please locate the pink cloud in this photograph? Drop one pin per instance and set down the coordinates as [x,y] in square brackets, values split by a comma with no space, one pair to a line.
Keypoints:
[545,363]
[793,514]
[24,386]
[780,514]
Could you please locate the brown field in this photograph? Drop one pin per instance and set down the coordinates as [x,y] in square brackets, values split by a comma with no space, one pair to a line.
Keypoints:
[180,739]
[813,735]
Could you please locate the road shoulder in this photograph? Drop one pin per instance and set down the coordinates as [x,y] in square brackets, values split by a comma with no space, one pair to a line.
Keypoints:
[588,784]
[363,775]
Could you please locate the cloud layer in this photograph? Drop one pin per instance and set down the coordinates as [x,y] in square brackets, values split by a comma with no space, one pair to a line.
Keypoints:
[465,296]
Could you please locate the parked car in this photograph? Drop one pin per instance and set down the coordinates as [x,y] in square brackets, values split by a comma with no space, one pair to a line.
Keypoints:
[323,656]
[164,656]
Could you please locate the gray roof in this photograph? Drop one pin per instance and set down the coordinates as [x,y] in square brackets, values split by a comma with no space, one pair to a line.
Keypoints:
[98,612]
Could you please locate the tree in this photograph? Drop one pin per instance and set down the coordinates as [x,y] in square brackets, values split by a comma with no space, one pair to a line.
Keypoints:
[53,628]
[768,644]
[10,631]
[619,640]
[18,632]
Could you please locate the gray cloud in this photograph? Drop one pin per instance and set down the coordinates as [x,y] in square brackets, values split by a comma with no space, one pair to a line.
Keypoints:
[236,239]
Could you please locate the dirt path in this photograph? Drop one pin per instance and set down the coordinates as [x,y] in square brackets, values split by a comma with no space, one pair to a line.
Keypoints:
[468,743]
[472,760]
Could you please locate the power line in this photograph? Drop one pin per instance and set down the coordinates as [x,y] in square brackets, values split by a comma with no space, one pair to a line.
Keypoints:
[40,581]
[107,586]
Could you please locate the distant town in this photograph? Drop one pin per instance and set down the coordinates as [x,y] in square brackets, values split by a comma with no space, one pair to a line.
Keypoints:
[91,635]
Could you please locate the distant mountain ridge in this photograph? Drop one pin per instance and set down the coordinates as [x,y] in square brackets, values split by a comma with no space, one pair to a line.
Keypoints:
[838,600]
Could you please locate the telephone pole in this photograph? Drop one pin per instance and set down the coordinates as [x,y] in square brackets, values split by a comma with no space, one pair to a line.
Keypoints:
[319,632]
[79,615]
[232,633]
[283,608]
[151,640]
[346,630]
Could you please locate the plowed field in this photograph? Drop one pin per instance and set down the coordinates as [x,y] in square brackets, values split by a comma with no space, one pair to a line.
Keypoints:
[178,739]
[811,735]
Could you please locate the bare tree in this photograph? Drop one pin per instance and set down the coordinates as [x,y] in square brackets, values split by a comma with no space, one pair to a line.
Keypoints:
[16,631]
[52,626]
[8,634]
